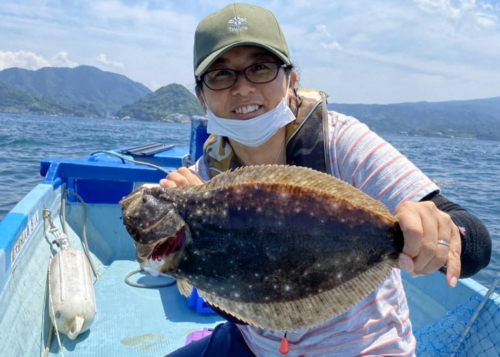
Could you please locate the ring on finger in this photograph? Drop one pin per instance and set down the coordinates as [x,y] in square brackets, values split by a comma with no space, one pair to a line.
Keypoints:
[443,242]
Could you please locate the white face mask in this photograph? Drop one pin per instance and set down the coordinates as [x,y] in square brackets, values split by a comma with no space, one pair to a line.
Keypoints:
[252,132]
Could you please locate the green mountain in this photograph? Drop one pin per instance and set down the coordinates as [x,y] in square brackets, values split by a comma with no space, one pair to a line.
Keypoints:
[479,118]
[163,104]
[82,85]
[15,101]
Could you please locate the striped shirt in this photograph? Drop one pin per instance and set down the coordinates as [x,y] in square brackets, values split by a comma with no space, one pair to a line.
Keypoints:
[379,324]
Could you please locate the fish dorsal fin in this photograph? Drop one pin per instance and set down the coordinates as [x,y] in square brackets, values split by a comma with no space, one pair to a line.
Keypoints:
[184,287]
[306,312]
[294,176]
[191,188]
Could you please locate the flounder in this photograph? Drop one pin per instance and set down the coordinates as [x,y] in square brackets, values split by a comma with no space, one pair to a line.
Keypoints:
[278,247]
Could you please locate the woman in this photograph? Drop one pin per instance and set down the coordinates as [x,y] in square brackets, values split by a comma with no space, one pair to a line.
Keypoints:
[246,85]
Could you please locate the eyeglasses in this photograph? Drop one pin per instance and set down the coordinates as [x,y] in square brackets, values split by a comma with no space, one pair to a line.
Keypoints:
[258,73]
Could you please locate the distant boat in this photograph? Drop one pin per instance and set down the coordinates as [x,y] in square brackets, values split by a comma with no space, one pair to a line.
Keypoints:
[131,321]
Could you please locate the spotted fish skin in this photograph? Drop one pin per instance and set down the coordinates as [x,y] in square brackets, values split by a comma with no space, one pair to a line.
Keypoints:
[267,242]
[270,239]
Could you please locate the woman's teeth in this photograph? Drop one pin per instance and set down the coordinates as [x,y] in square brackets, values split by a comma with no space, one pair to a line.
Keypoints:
[247,109]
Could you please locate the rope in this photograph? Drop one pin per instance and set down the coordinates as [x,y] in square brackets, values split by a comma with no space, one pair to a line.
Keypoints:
[87,253]
[132,161]
[53,312]
[87,250]
[127,278]
[84,227]
[49,341]
[146,286]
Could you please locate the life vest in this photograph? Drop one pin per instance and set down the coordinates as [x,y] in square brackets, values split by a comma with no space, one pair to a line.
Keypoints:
[306,139]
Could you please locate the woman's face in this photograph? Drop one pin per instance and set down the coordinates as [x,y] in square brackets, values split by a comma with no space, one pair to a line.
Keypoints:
[244,100]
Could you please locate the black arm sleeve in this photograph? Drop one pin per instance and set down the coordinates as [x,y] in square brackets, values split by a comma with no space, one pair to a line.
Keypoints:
[476,241]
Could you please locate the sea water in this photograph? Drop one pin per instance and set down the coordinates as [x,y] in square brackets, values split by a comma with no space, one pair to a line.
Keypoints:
[467,171]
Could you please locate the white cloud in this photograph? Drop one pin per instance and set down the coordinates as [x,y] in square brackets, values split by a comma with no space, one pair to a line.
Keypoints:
[486,20]
[445,7]
[322,28]
[460,10]
[102,59]
[334,45]
[486,6]
[392,47]
[143,22]
[62,60]
[380,51]
[33,61]
[22,59]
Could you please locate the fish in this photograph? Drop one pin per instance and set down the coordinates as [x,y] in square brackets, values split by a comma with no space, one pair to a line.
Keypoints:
[278,247]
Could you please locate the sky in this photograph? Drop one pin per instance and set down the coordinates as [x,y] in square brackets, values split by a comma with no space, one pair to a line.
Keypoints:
[357,51]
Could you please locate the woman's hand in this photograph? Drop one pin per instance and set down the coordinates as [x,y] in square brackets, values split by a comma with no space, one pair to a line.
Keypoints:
[181,177]
[423,226]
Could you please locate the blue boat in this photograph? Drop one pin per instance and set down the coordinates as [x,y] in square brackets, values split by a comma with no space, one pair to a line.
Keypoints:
[78,200]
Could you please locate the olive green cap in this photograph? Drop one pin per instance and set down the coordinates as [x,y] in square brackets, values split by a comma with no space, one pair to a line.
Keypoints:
[237,25]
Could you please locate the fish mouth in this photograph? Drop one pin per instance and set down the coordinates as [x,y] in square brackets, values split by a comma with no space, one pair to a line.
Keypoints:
[167,246]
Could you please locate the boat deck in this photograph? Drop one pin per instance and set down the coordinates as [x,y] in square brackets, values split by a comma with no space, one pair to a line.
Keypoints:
[132,321]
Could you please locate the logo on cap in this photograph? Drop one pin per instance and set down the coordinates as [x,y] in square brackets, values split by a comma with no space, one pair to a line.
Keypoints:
[236,22]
